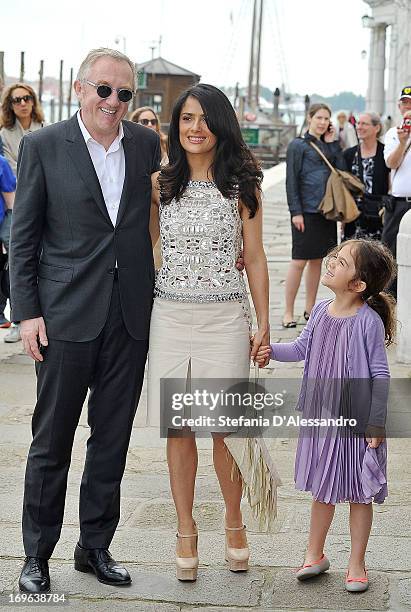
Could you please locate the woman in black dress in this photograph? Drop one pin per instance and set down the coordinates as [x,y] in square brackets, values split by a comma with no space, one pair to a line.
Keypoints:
[312,235]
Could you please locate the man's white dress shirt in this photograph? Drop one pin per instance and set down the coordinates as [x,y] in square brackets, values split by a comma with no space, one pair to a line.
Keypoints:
[109,166]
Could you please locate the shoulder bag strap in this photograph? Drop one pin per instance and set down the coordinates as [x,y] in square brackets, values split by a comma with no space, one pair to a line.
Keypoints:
[321,154]
[360,165]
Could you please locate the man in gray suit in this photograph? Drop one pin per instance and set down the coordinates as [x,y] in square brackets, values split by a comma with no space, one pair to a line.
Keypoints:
[81,284]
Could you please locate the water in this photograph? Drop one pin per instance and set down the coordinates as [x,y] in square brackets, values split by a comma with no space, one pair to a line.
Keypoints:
[47,109]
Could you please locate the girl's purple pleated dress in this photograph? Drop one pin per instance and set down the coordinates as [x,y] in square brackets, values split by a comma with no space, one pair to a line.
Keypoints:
[332,463]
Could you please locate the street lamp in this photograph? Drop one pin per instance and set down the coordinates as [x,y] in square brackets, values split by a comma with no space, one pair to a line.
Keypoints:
[367,21]
[117,40]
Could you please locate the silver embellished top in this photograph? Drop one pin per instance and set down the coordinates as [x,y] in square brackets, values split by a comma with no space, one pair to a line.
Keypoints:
[201,239]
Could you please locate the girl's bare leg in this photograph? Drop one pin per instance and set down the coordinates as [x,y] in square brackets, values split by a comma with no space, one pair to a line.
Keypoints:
[360,527]
[321,518]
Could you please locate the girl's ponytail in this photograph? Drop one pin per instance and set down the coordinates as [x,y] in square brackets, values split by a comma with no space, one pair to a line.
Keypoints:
[384,304]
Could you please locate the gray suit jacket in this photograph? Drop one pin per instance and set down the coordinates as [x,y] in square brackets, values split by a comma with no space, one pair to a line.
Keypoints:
[63,244]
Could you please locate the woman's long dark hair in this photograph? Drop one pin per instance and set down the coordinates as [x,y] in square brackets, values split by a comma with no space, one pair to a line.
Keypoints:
[235,170]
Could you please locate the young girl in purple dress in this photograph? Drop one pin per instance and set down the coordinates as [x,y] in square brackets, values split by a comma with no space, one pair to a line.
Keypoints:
[344,341]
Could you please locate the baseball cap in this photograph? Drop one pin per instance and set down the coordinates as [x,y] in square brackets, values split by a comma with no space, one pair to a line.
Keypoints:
[405,92]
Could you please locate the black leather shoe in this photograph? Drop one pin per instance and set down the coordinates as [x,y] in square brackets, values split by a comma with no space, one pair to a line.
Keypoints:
[101,563]
[35,577]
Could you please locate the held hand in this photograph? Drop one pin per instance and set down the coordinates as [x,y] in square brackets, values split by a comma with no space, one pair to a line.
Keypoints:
[260,340]
[33,331]
[263,355]
[374,442]
[239,264]
[298,222]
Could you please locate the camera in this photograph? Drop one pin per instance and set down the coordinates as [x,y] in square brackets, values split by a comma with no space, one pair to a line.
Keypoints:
[406,124]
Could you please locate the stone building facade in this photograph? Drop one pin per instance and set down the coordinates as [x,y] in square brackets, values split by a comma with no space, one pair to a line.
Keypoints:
[389,67]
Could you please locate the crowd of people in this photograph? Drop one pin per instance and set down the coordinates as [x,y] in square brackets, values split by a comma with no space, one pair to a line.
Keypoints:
[95,195]
[384,167]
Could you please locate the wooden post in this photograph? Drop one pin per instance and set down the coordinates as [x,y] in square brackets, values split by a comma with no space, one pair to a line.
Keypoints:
[22,67]
[241,108]
[69,94]
[41,74]
[134,103]
[276,100]
[1,69]
[61,91]
[52,110]
[306,106]
[236,94]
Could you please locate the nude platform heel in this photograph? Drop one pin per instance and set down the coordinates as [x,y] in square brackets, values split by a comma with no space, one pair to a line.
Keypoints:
[187,567]
[237,557]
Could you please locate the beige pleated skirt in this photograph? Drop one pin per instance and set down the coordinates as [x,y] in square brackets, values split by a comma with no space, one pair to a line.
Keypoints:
[195,341]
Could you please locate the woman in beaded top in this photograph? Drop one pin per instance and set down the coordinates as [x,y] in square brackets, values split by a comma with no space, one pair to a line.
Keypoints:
[206,207]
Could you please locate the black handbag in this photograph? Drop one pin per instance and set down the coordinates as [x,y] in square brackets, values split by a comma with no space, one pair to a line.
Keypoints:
[369,204]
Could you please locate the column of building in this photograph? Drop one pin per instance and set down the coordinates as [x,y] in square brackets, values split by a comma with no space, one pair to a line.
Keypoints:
[376,92]
[392,90]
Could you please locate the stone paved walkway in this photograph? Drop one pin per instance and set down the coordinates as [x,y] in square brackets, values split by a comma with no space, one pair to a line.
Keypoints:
[145,538]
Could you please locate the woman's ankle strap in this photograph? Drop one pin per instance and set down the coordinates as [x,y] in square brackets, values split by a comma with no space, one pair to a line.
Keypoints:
[190,535]
[235,528]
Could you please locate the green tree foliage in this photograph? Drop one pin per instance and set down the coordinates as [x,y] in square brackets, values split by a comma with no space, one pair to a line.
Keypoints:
[345,100]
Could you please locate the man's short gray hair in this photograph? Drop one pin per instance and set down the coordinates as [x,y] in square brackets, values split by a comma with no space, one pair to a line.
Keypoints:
[95,54]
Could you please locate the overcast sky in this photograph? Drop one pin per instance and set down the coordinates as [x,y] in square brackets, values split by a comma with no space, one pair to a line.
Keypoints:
[310,45]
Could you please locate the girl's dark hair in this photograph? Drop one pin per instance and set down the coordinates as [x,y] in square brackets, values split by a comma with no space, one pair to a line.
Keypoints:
[235,170]
[376,267]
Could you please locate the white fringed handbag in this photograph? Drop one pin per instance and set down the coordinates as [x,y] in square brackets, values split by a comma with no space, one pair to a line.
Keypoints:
[254,464]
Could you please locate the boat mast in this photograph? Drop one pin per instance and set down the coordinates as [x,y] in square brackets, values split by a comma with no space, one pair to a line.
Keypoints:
[260,28]
[255,56]
[251,71]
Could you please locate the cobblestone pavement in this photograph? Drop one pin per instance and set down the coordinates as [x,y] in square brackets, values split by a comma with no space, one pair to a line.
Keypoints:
[145,538]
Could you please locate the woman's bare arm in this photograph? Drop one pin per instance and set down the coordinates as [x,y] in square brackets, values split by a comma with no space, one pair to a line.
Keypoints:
[255,263]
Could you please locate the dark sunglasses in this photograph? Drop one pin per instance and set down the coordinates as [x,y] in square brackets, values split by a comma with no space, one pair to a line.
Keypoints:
[104,91]
[19,99]
[148,121]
